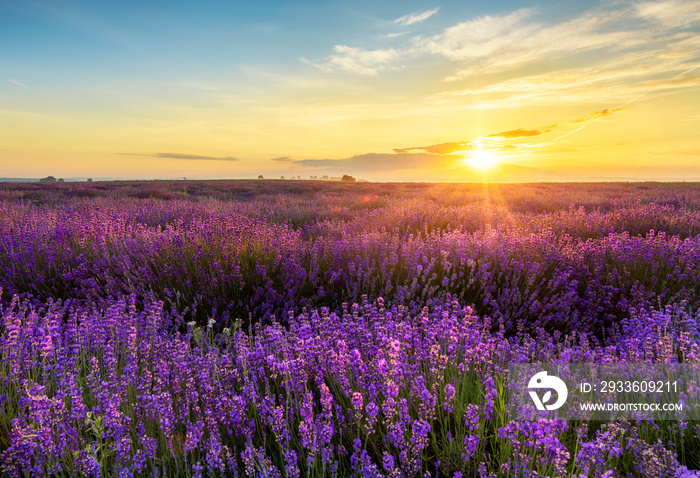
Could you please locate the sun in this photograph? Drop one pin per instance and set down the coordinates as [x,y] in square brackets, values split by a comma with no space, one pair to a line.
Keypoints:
[480,159]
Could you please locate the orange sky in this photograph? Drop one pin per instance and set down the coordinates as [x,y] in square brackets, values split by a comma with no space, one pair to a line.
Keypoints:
[513,92]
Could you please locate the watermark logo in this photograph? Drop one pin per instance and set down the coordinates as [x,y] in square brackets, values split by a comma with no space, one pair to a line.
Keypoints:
[542,380]
[603,391]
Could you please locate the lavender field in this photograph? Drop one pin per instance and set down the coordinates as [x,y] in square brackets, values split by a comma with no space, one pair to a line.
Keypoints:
[309,328]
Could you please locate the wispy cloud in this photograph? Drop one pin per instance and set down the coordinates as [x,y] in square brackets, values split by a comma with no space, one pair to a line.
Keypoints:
[480,37]
[183,156]
[413,18]
[282,159]
[442,148]
[494,43]
[15,82]
[673,13]
[395,35]
[676,54]
[357,60]
[518,133]
[376,162]
[598,114]
[640,48]
[464,40]
[615,79]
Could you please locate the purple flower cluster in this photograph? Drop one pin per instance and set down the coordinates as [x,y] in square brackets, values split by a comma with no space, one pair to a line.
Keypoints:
[581,268]
[360,393]
[375,336]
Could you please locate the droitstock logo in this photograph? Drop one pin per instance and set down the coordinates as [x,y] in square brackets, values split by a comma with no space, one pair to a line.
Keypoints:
[542,380]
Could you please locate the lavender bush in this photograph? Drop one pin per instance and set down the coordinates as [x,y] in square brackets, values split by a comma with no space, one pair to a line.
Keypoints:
[319,329]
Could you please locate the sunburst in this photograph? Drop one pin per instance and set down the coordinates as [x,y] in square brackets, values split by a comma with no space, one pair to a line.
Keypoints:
[480,159]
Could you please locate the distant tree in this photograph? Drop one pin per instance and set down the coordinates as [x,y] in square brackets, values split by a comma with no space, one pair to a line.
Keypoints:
[347,178]
[282,177]
[48,179]
[261,177]
[325,176]
[60,180]
[89,180]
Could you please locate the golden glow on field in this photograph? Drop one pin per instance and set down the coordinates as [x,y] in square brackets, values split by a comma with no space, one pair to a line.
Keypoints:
[481,159]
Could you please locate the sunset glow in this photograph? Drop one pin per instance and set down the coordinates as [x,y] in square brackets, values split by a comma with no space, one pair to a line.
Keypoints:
[379,90]
[481,159]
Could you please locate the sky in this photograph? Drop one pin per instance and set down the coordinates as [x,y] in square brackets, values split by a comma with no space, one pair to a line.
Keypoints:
[381,90]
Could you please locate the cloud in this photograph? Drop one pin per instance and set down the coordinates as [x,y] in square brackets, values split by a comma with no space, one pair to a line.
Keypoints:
[598,114]
[479,37]
[15,82]
[460,146]
[498,42]
[374,162]
[606,112]
[488,42]
[676,82]
[442,148]
[284,159]
[394,35]
[493,44]
[672,13]
[630,37]
[183,156]
[357,60]
[464,40]
[413,18]
[637,45]
[676,54]
[615,79]
[504,147]
[518,133]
